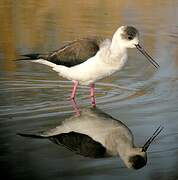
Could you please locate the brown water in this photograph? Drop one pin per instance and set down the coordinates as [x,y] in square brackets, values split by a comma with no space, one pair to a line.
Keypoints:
[34,98]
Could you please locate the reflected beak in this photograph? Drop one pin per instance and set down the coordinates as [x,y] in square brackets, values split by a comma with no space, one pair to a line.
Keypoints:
[150,59]
[150,140]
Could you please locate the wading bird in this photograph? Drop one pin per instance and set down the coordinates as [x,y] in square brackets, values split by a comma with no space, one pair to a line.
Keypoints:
[88,60]
[96,134]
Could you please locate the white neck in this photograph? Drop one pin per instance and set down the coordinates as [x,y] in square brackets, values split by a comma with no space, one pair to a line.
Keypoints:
[124,149]
[117,50]
[124,144]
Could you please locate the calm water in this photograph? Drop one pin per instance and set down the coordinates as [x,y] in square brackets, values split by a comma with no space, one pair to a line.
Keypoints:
[34,98]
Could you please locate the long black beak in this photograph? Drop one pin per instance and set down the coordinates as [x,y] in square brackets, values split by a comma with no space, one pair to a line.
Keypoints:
[150,140]
[152,61]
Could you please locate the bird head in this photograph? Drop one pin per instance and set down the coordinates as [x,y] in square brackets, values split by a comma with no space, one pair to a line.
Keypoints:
[137,157]
[128,37]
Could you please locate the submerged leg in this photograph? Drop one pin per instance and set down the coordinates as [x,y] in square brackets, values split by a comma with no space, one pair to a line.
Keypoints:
[74,90]
[92,94]
[75,107]
[72,97]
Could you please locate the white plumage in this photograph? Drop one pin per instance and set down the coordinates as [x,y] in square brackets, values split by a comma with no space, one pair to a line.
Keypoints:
[109,58]
[103,64]
[97,134]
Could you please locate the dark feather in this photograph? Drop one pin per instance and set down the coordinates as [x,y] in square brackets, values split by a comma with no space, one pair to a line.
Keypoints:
[31,135]
[75,52]
[81,144]
[71,54]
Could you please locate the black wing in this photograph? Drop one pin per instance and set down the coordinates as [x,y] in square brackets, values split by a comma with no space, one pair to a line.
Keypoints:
[81,144]
[75,52]
[70,54]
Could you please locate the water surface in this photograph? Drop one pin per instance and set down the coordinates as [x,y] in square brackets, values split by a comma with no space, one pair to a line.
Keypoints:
[34,98]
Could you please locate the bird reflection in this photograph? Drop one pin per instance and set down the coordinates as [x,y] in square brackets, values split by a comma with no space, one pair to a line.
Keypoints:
[96,134]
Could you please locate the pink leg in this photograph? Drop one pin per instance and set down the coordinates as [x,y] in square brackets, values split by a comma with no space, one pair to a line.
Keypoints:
[92,94]
[75,107]
[74,90]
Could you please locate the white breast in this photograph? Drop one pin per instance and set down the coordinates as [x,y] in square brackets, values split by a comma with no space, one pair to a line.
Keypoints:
[95,68]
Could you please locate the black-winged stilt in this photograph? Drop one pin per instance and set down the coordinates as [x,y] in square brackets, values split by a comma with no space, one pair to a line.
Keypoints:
[96,134]
[86,60]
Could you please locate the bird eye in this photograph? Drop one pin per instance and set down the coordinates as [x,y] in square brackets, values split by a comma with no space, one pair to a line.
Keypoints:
[130,37]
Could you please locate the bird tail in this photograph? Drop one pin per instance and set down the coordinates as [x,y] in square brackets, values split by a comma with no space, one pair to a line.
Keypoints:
[33,56]
[43,59]
[37,58]
[38,136]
